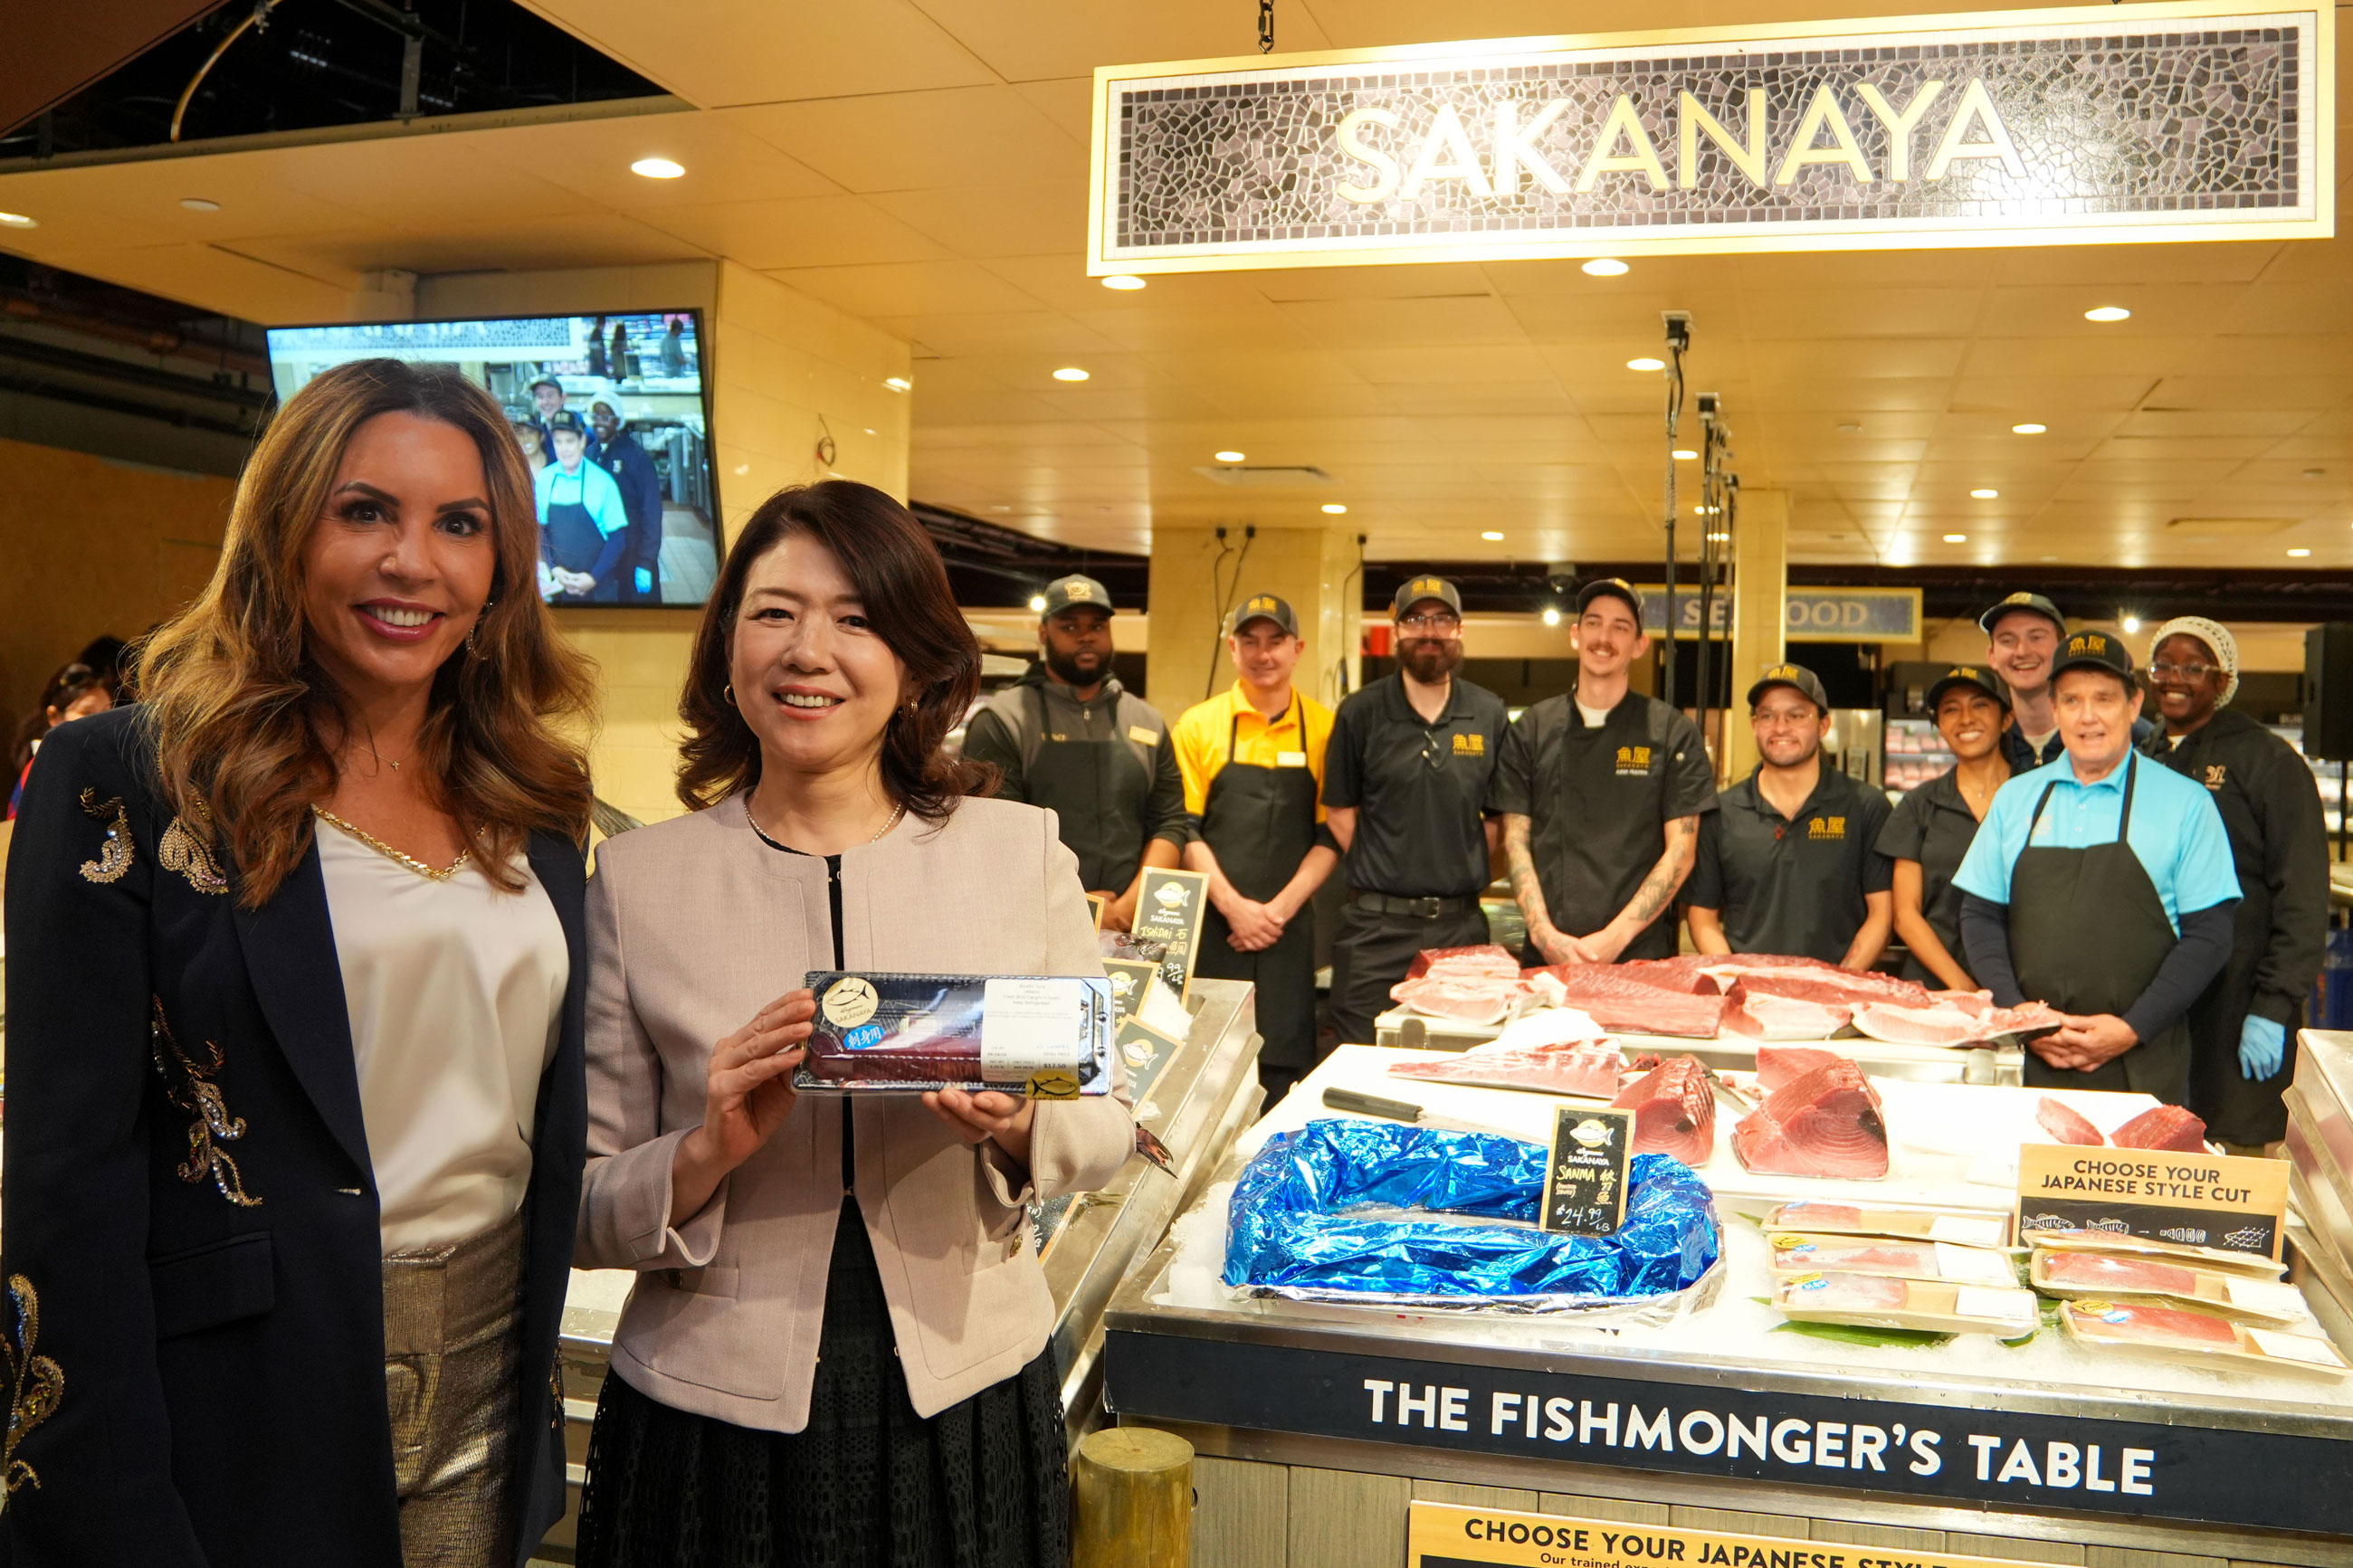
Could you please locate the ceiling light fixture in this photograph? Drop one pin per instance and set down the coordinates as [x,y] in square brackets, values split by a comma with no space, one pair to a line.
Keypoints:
[1492,537]
[1850,427]
[1552,615]
[1605,267]
[1229,457]
[897,383]
[1126,283]
[1646,363]
[1069,373]
[2107,313]
[2028,429]
[657,169]
[1957,539]
[1985,495]
[18,220]
[1333,508]
[200,204]
[1037,602]
[1685,454]
[2299,554]
[2131,623]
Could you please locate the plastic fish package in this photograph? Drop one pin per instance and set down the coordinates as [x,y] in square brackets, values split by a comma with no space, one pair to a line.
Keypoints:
[1380,1214]
[2175,1331]
[1045,1037]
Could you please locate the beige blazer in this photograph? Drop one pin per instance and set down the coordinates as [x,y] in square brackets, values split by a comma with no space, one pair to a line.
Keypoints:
[694,924]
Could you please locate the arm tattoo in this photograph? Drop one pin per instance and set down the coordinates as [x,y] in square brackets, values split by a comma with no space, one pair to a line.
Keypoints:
[1525,888]
[1667,877]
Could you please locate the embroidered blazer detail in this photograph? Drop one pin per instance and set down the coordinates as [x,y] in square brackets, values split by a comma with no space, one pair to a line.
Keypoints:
[37,1384]
[188,1084]
[189,852]
[114,853]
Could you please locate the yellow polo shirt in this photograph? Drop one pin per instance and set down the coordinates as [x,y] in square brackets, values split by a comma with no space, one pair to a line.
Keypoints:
[1295,740]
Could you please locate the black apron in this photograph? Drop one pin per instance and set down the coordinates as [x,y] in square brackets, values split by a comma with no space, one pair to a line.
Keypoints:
[2087,933]
[573,543]
[1611,812]
[1260,822]
[1090,785]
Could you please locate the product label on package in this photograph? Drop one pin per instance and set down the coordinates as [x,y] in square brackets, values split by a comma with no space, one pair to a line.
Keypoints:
[1445,1535]
[2221,1201]
[1584,1185]
[1035,1032]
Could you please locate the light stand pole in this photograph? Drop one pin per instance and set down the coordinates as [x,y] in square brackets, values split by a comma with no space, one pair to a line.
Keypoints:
[1678,340]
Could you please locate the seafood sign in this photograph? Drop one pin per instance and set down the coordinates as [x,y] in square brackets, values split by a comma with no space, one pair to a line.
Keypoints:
[2221,1201]
[1442,1535]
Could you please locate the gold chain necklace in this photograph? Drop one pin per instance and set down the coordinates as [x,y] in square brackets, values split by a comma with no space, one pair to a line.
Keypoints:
[389,853]
[896,813]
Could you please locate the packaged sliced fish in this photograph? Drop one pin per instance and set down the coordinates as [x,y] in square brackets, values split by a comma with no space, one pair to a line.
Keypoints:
[2197,1336]
[1476,999]
[1881,1302]
[1046,1037]
[1828,1123]
[1809,1252]
[1587,1067]
[2271,1303]
[2239,1265]
[1760,1015]
[1675,1112]
[2065,1123]
[1453,963]
[1966,1228]
[2165,1127]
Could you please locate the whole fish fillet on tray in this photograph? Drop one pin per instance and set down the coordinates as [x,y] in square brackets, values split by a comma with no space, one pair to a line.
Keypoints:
[1826,1123]
[1476,999]
[1588,1067]
[1944,1022]
[1618,1001]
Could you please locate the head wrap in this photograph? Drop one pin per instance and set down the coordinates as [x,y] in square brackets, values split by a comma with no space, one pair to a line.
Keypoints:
[2215,635]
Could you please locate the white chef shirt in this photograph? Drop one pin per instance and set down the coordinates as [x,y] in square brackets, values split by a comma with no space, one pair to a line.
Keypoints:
[456,995]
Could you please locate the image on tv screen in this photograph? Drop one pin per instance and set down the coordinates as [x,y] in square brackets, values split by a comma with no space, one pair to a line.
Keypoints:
[611,416]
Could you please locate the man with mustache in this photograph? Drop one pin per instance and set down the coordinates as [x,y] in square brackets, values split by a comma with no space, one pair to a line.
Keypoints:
[1601,792]
[1069,738]
[1409,765]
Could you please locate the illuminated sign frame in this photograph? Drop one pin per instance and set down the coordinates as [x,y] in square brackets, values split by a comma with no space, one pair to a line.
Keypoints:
[1524,209]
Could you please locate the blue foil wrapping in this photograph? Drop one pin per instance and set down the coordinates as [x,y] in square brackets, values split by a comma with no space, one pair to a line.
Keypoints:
[1289,1226]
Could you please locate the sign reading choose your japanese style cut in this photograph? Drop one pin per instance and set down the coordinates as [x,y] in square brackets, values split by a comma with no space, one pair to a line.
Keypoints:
[2167,120]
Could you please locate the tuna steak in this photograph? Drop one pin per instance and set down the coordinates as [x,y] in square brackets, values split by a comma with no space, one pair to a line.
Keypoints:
[1675,1112]
[2167,1127]
[1762,1016]
[1453,963]
[1618,1001]
[1777,1065]
[2065,1123]
[1588,1068]
[2091,1271]
[1826,1123]
[1469,999]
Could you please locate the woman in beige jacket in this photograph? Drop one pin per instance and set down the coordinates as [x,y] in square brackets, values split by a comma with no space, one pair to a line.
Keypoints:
[836,1350]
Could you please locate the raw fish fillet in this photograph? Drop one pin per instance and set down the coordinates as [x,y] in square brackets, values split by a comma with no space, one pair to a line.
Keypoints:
[2137,1324]
[1777,1065]
[1453,963]
[2167,1127]
[2089,1270]
[1827,1123]
[1905,1259]
[1765,1016]
[1849,1292]
[1827,1217]
[1947,1024]
[1542,1028]
[1671,975]
[1588,1068]
[2065,1123]
[1804,979]
[1470,999]
[1616,1001]
[1675,1112]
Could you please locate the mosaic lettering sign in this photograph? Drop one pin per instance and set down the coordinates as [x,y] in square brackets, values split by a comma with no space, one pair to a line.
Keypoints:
[2150,122]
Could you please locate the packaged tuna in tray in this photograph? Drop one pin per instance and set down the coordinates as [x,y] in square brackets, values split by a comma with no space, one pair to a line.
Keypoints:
[2267,1302]
[2197,1336]
[1967,1229]
[2221,1260]
[1881,1302]
[1045,1037]
[1798,1253]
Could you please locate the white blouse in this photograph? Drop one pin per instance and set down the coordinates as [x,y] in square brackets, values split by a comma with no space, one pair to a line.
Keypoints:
[456,995]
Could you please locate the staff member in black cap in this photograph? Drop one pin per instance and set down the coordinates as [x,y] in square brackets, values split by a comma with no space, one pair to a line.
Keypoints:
[2243,1028]
[1407,767]
[1791,862]
[1068,737]
[1601,792]
[1253,765]
[2022,637]
[2102,886]
[1933,827]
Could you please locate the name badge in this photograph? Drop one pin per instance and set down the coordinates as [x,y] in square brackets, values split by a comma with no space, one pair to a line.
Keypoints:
[1290,758]
[1141,736]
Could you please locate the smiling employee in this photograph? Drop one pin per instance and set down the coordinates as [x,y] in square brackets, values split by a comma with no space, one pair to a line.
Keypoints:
[1407,766]
[1790,862]
[1933,826]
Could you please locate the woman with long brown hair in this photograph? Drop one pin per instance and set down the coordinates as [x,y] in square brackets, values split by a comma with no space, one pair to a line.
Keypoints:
[836,1350]
[295,1030]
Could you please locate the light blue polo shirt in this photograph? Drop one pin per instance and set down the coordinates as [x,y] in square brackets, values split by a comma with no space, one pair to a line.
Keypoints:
[2177,832]
[590,487]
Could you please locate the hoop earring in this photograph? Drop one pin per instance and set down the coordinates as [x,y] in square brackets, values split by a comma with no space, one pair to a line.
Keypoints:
[487,605]
[727,694]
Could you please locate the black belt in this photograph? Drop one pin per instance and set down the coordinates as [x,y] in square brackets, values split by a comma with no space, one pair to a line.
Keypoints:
[1419,908]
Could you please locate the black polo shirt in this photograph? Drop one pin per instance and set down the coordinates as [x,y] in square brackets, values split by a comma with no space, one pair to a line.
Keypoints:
[1417,787]
[1933,825]
[1599,801]
[1792,886]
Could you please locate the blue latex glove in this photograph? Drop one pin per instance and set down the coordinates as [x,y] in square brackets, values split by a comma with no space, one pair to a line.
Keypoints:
[644,580]
[2262,1046]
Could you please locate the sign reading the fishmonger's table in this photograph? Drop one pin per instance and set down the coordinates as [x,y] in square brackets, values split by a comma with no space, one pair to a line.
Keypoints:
[2164,121]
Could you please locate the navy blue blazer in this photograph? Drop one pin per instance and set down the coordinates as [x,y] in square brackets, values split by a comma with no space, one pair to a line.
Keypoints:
[193,1336]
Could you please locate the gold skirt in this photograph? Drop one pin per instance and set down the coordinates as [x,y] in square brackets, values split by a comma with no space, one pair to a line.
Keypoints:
[451,1319]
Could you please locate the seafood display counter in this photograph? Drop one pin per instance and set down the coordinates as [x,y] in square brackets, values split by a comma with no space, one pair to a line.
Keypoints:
[1318,1421]
[1192,1099]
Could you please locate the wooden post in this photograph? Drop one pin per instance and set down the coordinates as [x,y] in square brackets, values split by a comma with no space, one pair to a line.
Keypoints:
[1132,1499]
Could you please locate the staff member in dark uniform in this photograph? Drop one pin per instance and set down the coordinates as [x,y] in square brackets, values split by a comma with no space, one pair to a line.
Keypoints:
[2243,1029]
[1070,738]
[2102,887]
[2022,637]
[1933,826]
[1791,862]
[1407,767]
[1253,766]
[619,454]
[1601,792]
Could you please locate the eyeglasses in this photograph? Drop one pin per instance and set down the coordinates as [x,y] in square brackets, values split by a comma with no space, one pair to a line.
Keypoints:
[1444,623]
[2187,671]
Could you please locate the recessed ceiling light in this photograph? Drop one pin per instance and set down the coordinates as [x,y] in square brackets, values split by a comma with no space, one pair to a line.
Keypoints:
[1719,538]
[1552,615]
[1646,363]
[200,204]
[1685,454]
[2315,473]
[1491,536]
[2028,429]
[897,383]
[1332,508]
[1069,373]
[2107,313]
[2131,623]
[18,220]
[2299,553]
[657,168]
[1126,283]
[1957,539]
[1849,428]
[1984,495]
[2046,558]
[1229,457]
[1605,267]
[1037,602]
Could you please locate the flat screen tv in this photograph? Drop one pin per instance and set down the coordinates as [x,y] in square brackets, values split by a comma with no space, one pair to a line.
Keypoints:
[613,415]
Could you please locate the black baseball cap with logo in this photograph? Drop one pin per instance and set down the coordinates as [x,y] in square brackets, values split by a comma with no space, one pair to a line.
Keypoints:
[1414,590]
[1985,680]
[2094,650]
[2034,604]
[1798,679]
[1265,608]
[1076,589]
[564,419]
[1616,589]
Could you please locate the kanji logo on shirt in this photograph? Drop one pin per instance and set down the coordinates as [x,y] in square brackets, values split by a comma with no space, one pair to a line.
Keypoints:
[1470,745]
[1826,827]
[1633,760]
[2215,775]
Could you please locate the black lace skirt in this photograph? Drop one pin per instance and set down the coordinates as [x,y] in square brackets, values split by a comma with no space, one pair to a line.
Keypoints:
[867,1484]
